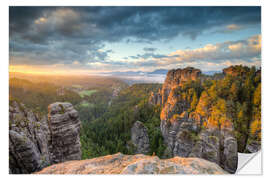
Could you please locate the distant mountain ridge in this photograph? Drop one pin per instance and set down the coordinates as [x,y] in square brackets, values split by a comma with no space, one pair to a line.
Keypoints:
[137,73]
[155,72]
[211,72]
[159,71]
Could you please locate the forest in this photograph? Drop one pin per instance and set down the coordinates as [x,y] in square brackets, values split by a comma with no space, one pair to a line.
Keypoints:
[108,113]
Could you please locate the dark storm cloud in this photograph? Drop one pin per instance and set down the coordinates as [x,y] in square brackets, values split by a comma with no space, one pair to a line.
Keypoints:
[52,34]
[115,23]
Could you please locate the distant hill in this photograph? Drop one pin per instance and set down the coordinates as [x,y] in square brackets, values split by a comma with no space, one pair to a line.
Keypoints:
[136,73]
[155,72]
[159,71]
[211,72]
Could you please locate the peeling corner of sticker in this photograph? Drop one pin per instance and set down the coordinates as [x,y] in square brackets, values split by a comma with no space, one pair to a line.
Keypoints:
[249,164]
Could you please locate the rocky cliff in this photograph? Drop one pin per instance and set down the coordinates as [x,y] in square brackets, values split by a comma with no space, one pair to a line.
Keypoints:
[35,142]
[64,126]
[135,164]
[139,138]
[176,78]
[238,70]
[191,134]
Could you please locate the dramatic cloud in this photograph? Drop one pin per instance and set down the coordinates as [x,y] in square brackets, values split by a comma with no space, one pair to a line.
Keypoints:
[77,36]
[116,23]
[231,52]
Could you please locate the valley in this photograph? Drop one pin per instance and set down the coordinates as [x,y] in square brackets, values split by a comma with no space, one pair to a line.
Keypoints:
[212,117]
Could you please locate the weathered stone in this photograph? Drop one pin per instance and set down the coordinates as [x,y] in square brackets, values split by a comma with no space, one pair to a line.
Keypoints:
[207,147]
[34,143]
[183,144]
[230,71]
[135,164]
[193,134]
[28,143]
[237,70]
[253,147]
[155,98]
[24,157]
[139,138]
[179,134]
[175,78]
[172,103]
[230,154]
[65,130]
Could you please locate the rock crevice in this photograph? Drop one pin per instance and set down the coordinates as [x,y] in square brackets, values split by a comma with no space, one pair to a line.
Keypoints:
[35,143]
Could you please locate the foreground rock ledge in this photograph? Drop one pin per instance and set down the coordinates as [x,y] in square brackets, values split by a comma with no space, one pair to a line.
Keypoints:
[135,164]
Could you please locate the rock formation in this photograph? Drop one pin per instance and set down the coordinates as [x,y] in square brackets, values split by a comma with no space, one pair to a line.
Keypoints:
[173,104]
[35,143]
[155,98]
[65,130]
[139,138]
[193,134]
[253,147]
[28,140]
[230,71]
[237,70]
[135,164]
[175,78]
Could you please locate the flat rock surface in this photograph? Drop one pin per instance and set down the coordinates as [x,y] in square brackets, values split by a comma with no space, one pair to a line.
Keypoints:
[135,164]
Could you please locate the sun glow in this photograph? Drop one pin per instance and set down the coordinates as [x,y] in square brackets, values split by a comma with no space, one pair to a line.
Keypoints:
[32,70]
[49,70]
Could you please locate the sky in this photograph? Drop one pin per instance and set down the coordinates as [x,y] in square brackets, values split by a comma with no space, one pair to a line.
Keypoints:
[100,39]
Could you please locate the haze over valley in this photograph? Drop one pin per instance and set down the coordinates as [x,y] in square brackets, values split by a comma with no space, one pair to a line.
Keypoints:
[133,90]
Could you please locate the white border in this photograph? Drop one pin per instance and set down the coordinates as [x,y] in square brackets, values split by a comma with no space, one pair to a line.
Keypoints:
[4,70]
[137,2]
